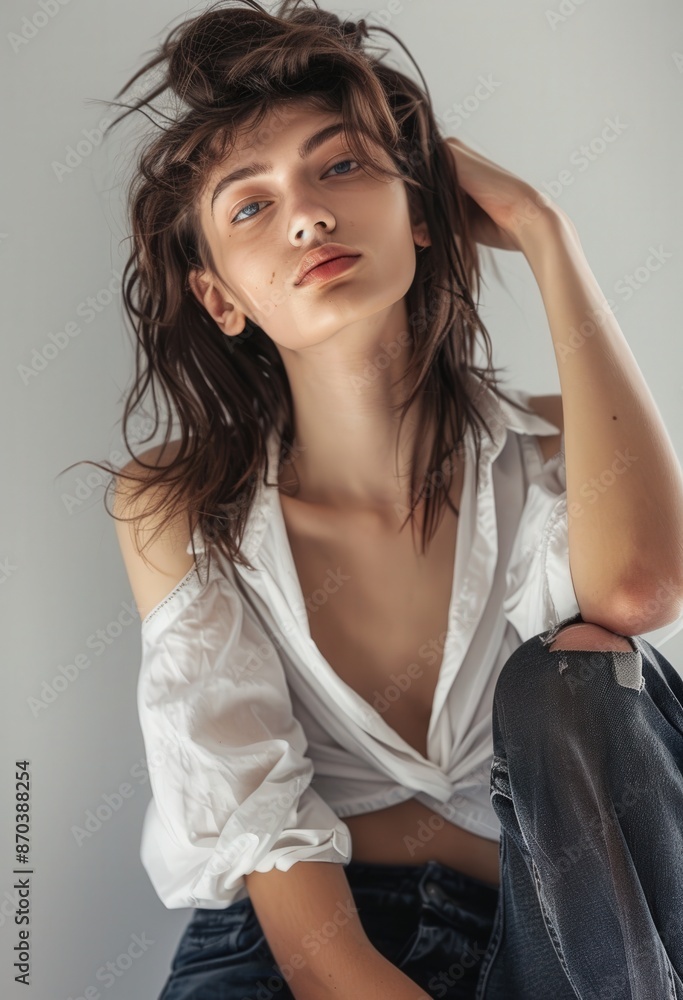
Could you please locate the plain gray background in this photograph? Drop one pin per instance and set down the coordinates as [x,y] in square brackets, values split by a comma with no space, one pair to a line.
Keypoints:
[559,71]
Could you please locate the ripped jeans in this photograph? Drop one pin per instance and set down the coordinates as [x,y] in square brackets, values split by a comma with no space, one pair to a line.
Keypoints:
[587,783]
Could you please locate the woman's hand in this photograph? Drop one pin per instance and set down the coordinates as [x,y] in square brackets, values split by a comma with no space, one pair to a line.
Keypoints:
[500,205]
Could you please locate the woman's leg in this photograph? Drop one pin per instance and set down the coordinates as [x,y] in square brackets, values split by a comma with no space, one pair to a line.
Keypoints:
[587,783]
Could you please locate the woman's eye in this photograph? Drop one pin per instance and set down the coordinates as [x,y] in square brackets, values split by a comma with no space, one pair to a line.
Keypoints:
[251,204]
[340,163]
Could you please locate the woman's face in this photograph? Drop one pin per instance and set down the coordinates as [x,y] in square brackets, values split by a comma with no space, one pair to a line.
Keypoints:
[260,228]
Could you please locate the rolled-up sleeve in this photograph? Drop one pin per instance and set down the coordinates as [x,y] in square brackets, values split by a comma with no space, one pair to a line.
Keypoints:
[226,757]
[539,590]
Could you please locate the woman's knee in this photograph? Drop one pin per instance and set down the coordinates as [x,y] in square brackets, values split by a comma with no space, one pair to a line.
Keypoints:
[588,635]
[578,660]
[601,648]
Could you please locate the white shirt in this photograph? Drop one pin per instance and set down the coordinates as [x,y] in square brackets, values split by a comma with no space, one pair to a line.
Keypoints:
[257,749]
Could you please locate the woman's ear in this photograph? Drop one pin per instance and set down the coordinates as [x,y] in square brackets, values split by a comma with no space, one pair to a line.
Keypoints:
[421,236]
[225,313]
[418,225]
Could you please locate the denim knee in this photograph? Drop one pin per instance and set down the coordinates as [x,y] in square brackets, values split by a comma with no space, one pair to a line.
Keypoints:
[535,680]
[525,682]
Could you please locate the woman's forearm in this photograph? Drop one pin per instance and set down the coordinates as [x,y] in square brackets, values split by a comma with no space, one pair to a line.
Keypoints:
[295,909]
[624,480]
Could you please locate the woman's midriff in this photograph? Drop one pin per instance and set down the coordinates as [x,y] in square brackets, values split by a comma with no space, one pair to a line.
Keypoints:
[392,598]
[411,833]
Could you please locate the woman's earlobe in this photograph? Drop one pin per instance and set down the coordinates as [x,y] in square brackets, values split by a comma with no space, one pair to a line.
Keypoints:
[421,236]
[422,242]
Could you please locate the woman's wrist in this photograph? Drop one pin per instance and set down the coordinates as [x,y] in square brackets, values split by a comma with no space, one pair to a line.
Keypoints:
[539,236]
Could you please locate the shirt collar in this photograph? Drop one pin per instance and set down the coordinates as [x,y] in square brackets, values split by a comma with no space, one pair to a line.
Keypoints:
[499,415]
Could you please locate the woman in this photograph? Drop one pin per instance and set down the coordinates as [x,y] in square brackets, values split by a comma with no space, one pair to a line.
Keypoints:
[475,751]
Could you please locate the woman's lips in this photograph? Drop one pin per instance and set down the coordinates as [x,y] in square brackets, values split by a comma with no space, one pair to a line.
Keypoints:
[329,269]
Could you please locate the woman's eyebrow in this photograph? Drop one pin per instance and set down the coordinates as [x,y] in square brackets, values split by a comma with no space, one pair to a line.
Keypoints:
[307,147]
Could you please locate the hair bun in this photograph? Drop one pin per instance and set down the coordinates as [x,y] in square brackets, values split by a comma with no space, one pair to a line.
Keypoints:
[206,58]
[202,63]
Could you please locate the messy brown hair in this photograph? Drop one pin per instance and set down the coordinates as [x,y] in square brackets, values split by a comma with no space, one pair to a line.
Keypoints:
[230,66]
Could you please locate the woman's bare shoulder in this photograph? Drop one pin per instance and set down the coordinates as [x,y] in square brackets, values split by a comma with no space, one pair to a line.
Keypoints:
[165,561]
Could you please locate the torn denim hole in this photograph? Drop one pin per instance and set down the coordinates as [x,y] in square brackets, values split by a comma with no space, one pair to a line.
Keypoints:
[627,667]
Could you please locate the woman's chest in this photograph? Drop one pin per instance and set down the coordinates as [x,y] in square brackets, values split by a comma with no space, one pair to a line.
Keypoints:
[377,607]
